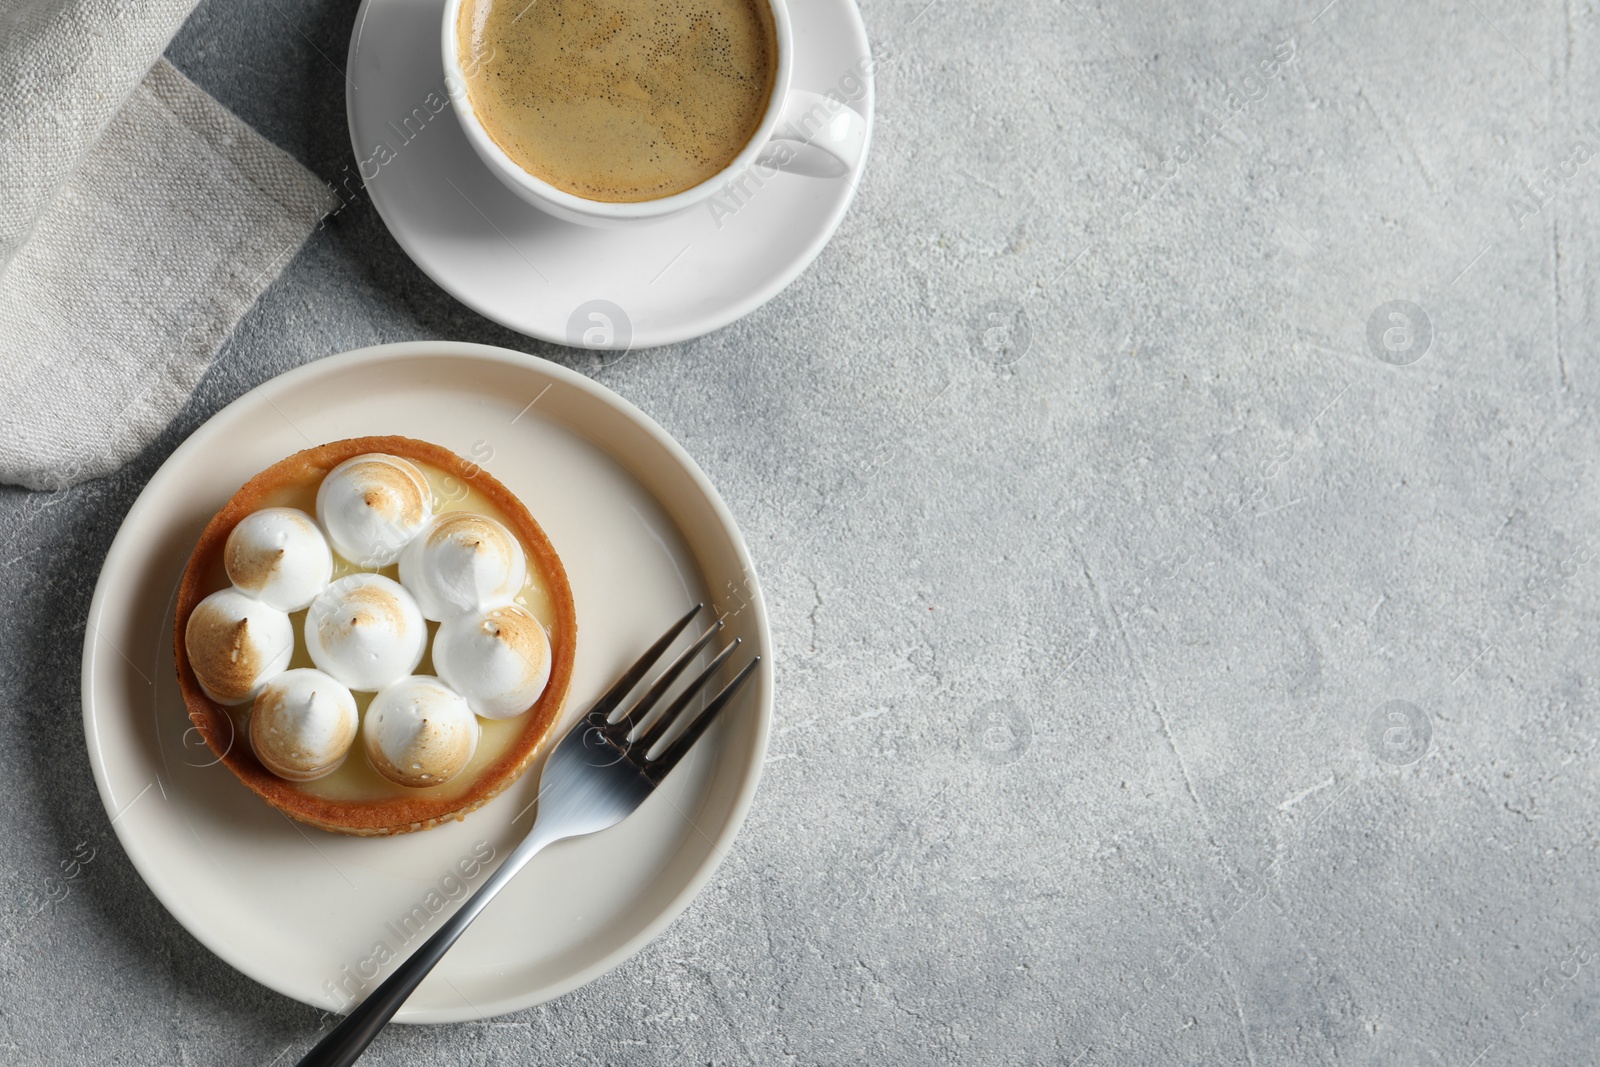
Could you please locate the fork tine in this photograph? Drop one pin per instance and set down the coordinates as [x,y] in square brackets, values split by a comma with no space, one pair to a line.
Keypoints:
[663,723]
[636,715]
[602,709]
[676,751]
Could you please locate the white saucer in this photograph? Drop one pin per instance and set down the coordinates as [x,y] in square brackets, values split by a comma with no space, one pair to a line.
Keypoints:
[652,285]
[642,534]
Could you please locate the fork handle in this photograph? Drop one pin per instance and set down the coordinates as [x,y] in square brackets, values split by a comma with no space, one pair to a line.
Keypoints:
[346,1042]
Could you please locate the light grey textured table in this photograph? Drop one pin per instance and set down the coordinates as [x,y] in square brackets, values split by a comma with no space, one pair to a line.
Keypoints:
[1098,539]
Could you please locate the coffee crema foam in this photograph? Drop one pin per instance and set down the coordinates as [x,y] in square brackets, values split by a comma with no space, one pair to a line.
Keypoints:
[619,101]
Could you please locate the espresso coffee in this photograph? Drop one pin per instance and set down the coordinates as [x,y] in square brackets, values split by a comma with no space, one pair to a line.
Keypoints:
[619,100]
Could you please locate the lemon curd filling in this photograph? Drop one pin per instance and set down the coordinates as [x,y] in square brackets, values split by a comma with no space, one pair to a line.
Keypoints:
[356,780]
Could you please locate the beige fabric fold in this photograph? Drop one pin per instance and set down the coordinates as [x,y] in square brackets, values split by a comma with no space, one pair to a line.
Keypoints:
[135,230]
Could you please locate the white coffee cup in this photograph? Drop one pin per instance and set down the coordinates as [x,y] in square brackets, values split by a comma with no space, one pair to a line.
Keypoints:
[793,116]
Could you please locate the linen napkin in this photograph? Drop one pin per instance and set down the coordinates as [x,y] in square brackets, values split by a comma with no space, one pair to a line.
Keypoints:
[139,220]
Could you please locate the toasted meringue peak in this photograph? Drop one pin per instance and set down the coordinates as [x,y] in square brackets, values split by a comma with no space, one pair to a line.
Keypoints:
[279,556]
[462,562]
[366,631]
[235,643]
[303,724]
[419,732]
[372,505]
[498,659]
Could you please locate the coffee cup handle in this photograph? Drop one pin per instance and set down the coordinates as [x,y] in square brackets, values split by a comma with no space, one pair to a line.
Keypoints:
[821,122]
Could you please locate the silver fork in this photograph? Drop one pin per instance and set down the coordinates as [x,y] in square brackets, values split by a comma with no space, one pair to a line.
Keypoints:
[595,778]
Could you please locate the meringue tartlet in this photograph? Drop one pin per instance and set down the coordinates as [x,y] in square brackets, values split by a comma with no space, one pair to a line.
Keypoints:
[375,636]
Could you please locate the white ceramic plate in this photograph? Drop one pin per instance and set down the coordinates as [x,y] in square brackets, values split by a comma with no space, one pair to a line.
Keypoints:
[314,915]
[655,284]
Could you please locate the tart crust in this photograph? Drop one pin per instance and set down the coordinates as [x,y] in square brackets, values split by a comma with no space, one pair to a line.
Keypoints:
[390,815]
